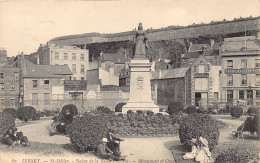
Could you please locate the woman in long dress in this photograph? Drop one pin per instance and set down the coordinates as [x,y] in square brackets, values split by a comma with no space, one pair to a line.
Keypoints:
[204,155]
[194,150]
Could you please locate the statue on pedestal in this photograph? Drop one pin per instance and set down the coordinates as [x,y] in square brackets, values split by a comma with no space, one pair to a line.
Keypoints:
[140,42]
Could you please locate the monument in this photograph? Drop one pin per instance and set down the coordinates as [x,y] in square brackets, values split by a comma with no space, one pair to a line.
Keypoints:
[140,87]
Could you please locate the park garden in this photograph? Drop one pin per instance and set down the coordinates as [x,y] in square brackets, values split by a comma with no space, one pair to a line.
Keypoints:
[179,124]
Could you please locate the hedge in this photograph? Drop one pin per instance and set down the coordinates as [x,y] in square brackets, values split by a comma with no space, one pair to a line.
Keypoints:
[6,121]
[236,155]
[119,106]
[174,107]
[196,125]
[191,109]
[87,131]
[11,111]
[27,113]
[73,109]
[103,109]
[236,111]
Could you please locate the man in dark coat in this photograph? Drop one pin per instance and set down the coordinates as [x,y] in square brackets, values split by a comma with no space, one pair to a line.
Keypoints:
[113,142]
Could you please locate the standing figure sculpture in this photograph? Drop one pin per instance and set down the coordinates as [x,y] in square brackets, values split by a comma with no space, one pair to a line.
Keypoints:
[140,43]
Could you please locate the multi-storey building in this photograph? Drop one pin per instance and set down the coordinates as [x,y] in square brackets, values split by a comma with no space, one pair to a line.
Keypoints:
[240,62]
[77,59]
[9,87]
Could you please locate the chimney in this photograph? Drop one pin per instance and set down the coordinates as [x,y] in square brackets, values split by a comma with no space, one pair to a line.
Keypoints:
[101,56]
[212,43]
[37,60]
[159,73]
[84,46]
[203,50]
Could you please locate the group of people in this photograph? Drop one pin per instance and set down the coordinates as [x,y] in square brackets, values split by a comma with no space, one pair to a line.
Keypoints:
[13,138]
[199,151]
[108,148]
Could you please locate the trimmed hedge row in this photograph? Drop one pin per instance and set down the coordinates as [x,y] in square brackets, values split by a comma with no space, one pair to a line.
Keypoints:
[27,113]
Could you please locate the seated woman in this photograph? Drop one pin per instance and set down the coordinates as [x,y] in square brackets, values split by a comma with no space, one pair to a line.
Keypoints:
[10,138]
[59,125]
[21,139]
[203,155]
[194,150]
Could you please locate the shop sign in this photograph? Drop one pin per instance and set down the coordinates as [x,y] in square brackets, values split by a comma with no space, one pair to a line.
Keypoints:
[75,85]
[201,75]
[242,71]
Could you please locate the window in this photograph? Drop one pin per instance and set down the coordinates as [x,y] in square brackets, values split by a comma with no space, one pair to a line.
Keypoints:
[2,101]
[56,55]
[46,84]
[243,79]
[74,68]
[229,64]
[12,88]
[82,56]
[16,76]
[46,98]
[82,68]
[241,94]
[2,75]
[258,94]
[229,94]
[82,78]
[207,68]
[12,101]
[243,63]
[215,95]
[257,63]
[65,56]
[2,87]
[230,80]
[35,99]
[35,84]
[257,79]
[73,56]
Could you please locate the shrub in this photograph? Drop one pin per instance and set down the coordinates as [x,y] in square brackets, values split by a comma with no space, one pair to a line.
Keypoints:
[253,110]
[103,109]
[201,110]
[129,112]
[212,109]
[27,113]
[87,131]
[6,121]
[236,111]
[139,112]
[191,109]
[11,111]
[196,125]
[119,106]
[149,113]
[179,117]
[174,107]
[236,154]
[73,109]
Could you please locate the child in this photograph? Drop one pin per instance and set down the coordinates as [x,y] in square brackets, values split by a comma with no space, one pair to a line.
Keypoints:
[22,139]
[204,155]
[10,138]
[194,150]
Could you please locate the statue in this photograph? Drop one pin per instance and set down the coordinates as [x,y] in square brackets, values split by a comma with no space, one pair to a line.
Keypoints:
[140,43]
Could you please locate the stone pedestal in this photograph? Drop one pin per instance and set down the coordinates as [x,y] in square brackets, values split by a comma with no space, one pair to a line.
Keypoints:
[140,87]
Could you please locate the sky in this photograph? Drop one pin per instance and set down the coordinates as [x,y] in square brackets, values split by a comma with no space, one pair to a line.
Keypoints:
[25,24]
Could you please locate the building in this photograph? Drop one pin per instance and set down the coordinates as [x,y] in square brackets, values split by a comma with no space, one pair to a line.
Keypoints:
[77,59]
[43,86]
[103,77]
[240,64]
[205,86]
[9,87]
[3,55]
[171,85]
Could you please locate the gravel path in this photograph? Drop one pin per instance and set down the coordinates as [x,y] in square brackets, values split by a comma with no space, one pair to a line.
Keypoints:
[46,148]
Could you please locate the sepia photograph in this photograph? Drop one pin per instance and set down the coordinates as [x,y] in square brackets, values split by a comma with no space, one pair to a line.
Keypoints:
[129,81]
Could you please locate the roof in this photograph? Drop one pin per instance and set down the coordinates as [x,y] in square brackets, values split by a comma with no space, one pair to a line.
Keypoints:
[57,69]
[43,71]
[170,74]
[197,47]
[194,54]
[239,43]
